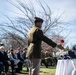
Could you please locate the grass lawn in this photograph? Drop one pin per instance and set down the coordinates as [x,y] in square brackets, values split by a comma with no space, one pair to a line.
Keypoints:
[43,71]
[47,71]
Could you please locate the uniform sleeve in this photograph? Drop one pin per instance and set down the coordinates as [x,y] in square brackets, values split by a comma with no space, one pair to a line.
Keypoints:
[45,39]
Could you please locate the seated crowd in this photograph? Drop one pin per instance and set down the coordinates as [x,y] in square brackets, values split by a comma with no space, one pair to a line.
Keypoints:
[14,58]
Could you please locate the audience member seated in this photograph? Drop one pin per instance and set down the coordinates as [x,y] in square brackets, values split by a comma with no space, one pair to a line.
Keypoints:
[26,60]
[19,56]
[1,67]
[43,61]
[4,59]
[13,57]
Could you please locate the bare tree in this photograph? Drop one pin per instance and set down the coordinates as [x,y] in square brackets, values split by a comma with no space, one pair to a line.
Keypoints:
[21,26]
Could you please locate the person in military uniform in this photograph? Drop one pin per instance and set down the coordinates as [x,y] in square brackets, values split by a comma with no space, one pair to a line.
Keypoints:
[35,37]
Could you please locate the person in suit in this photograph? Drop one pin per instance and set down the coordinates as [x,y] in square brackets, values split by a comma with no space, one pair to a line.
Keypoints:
[35,37]
[1,67]
[26,61]
[4,59]
[19,56]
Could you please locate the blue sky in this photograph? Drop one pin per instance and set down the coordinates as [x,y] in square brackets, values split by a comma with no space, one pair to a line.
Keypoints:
[57,6]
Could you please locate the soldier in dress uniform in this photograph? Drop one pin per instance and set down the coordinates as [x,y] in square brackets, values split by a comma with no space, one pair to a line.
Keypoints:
[35,37]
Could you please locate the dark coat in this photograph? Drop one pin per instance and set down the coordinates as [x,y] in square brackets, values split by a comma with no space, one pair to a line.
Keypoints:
[3,57]
[19,56]
[24,55]
[35,37]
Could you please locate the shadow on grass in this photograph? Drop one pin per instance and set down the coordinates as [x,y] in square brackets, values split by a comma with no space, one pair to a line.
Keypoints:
[50,67]
[23,72]
[43,72]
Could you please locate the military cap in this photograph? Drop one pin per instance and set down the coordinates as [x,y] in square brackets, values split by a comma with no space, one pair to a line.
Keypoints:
[37,19]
